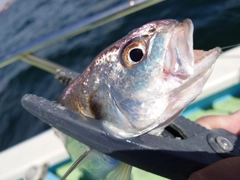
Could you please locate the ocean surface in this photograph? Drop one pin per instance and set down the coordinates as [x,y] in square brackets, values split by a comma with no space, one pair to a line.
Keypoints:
[217,23]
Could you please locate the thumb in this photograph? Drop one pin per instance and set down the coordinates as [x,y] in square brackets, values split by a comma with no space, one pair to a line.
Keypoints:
[224,169]
[229,122]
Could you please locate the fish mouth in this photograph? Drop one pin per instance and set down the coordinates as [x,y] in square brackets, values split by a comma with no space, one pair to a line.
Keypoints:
[181,60]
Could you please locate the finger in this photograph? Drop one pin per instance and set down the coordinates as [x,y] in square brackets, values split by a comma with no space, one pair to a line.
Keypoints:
[229,122]
[224,169]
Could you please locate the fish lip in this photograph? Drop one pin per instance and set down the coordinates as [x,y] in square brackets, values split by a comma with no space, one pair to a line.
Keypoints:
[202,69]
[204,60]
[179,58]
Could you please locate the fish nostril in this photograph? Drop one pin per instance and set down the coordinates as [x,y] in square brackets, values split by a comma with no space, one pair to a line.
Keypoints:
[151,29]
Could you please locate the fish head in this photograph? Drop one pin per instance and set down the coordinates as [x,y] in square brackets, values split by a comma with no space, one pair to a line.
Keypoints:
[157,74]
[144,80]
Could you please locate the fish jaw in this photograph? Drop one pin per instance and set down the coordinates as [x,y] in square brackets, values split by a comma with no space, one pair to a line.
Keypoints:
[185,70]
[184,94]
[182,64]
[175,79]
[179,59]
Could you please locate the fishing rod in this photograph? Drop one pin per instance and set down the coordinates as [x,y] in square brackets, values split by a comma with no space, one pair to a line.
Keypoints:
[79,27]
[230,46]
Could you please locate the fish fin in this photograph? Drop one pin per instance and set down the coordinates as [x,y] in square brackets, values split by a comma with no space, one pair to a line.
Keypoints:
[76,163]
[122,172]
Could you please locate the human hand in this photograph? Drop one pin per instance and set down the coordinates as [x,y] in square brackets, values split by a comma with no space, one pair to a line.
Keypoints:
[228,168]
[229,122]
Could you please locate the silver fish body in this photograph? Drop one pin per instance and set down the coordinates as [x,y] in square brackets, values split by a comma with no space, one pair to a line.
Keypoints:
[142,81]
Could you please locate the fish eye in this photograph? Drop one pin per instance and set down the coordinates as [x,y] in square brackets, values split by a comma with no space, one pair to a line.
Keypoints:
[133,53]
[136,54]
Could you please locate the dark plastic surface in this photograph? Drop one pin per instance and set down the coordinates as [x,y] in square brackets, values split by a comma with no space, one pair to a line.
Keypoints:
[169,157]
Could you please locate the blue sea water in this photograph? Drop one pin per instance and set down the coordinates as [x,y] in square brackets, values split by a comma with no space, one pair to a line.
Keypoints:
[217,23]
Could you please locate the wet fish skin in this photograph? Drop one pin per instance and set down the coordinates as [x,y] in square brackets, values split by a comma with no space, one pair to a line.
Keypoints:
[132,98]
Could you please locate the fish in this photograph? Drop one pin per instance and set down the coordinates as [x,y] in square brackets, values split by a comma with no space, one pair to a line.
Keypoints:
[138,85]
